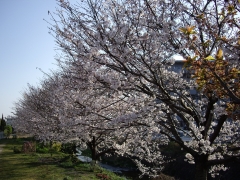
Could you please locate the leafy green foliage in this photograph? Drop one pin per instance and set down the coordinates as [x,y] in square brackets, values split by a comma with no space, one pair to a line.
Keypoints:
[56,146]
[68,148]
[7,130]
[16,150]
[67,178]
[42,150]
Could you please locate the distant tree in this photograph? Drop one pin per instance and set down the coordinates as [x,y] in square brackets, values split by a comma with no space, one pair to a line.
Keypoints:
[7,130]
[2,125]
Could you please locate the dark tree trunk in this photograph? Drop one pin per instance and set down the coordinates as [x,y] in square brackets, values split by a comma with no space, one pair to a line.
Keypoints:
[201,168]
[92,147]
[94,154]
[93,150]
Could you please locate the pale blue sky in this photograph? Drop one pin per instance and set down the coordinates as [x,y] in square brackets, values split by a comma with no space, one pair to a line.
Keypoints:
[24,45]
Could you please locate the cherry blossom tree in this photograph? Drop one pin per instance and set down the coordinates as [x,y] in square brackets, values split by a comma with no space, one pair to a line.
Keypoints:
[133,42]
[35,113]
[87,111]
[96,109]
[70,107]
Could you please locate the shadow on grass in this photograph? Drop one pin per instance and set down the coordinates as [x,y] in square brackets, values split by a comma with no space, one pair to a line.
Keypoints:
[35,166]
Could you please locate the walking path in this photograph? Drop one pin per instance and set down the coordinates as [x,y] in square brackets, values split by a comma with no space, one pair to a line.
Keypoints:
[1,147]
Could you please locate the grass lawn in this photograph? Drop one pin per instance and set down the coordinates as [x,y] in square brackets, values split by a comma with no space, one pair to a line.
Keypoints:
[35,166]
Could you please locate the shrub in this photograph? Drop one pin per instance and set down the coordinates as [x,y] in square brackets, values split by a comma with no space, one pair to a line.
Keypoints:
[16,150]
[42,150]
[29,147]
[56,146]
[69,161]
[7,131]
[69,148]
[67,164]
[67,178]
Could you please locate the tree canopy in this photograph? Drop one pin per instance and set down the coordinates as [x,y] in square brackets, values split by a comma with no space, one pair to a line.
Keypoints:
[7,130]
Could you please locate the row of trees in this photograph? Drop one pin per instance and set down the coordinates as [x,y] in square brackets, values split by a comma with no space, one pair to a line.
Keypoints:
[116,90]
